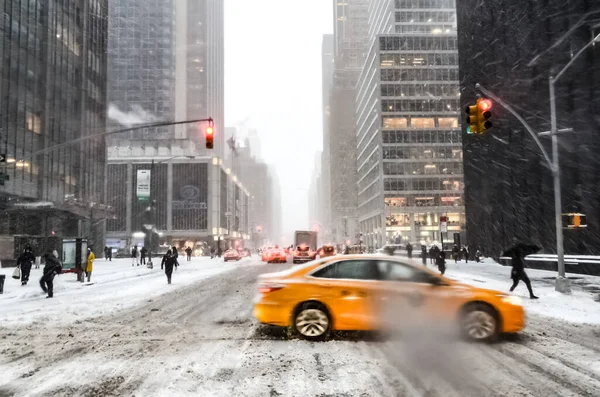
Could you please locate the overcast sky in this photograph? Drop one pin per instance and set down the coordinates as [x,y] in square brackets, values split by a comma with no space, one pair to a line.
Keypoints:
[273,76]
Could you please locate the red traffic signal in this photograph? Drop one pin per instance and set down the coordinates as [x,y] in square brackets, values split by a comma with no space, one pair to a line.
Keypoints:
[484,104]
[209,136]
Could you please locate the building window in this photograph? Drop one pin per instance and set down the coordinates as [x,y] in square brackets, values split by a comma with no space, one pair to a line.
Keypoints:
[422,122]
[391,123]
[448,122]
[33,122]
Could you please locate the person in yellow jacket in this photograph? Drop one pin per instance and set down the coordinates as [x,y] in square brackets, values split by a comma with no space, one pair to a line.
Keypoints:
[90,264]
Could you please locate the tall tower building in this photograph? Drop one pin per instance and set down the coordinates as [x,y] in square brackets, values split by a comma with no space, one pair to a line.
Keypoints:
[409,156]
[323,188]
[141,66]
[200,65]
[350,47]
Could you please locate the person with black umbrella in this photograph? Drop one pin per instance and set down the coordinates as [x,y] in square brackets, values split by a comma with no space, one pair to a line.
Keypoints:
[517,254]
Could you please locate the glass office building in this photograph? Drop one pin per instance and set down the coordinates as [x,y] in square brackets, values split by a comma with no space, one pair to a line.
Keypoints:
[409,153]
[52,91]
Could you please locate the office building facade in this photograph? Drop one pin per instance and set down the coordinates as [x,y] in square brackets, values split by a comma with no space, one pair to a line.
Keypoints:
[53,91]
[509,191]
[409,152]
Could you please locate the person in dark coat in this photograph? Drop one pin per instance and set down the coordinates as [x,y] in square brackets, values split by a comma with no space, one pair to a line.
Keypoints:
[517,255]
[108,253]
[432,254]
[440,261]
[424,255]
[409,250]
[134,254]
[465,253]
[175,256]
[25,261]
[143,253]
[188,251]
[456,253]
[168,262]
[51,269]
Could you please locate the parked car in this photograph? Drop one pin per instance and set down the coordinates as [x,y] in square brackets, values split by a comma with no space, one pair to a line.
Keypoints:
[231,255]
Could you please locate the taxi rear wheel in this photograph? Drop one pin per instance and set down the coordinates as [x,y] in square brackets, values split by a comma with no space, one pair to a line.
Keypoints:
[480,322]
[312,321]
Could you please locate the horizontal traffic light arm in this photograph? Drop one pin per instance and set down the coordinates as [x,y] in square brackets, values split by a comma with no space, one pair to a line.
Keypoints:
[137,127]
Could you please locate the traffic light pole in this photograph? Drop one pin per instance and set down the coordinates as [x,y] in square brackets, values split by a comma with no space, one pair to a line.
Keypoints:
[562,283]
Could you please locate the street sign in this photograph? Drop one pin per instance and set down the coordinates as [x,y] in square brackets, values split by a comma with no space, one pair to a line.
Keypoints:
[444,224]
[2,157]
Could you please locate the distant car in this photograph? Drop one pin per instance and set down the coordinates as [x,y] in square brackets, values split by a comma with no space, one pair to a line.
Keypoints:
[277,255]
[327,250]
[266,254]
[348,293]
[303,253]
[245,252]
[232,255]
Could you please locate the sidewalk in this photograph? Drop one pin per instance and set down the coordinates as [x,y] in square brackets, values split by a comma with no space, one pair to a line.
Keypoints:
[579,307]
[115,285]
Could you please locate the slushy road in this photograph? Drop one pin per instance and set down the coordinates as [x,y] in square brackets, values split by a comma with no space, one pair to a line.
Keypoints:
[202,340]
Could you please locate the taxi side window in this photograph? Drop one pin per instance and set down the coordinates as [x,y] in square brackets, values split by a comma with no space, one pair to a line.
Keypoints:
[354,270]
[394,271]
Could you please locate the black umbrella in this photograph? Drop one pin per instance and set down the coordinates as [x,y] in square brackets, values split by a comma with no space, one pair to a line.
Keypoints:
[521,250]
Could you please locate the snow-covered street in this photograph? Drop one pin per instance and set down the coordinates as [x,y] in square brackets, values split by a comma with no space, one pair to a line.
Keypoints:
[197,337]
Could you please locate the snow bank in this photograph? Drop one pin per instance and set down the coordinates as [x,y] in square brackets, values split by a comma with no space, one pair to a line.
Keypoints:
[579,307]
[115,285]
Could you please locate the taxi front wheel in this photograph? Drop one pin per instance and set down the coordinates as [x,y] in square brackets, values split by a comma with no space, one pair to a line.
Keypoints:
[479,322]
[312,321]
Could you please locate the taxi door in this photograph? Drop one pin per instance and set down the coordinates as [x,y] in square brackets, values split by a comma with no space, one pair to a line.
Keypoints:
[350,289]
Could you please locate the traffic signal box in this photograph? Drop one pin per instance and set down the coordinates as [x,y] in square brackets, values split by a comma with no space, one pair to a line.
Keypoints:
[574,221]
[478,116]
[210,137]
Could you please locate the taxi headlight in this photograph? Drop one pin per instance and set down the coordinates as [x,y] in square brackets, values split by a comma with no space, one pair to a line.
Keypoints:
[512,300]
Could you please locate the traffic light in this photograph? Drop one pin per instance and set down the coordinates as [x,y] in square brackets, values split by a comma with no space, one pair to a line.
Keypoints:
[483,114]
[472,119]
[574,221]
[210,135]
[478,116]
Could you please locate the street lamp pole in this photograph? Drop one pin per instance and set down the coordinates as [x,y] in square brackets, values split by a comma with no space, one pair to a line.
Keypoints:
[562,283]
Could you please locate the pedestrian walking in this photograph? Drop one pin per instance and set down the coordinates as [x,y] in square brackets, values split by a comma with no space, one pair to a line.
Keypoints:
[409,250]
[176,257]
[168,261]
[134,256]
[424,255]
[51,269]
[188,251]
[143,253]
[478,256]
[432,255]
[108,253]
[24,262]
[517,255]
[90,264]
[440,261]
[465,253]
[212,252]
[456,253]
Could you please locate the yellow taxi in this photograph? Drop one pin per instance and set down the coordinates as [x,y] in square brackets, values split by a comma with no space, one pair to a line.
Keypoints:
[352,293]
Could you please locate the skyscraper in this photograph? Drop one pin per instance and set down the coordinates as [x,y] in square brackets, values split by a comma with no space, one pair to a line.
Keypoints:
[409,156]
[350,46]
[53,85]
[324,185]
[509,189]
[141,66]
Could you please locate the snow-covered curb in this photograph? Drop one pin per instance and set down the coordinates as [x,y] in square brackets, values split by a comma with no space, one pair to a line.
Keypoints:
[579,307]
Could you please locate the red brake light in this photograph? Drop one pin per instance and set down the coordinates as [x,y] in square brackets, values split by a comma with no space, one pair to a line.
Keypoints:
[265,289]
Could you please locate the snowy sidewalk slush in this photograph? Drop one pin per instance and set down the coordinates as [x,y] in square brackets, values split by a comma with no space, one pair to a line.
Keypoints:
[114,286]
